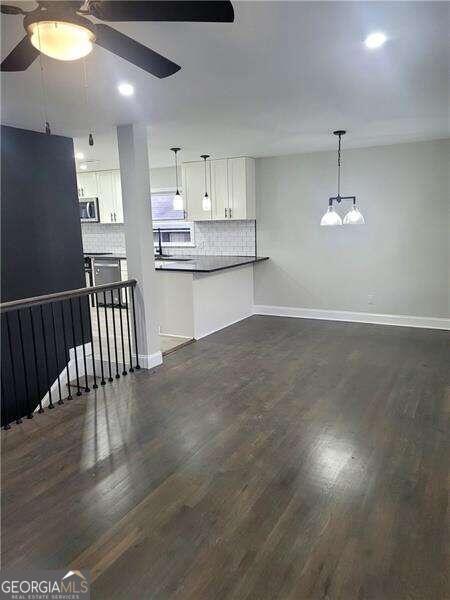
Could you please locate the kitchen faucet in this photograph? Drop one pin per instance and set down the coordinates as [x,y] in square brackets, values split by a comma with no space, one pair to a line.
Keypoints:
[159,249]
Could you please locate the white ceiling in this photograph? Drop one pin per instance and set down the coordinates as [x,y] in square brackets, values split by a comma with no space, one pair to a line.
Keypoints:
[276,81]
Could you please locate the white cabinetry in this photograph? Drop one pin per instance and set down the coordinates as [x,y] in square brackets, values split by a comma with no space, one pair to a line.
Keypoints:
[87,185]
[106,186]
[230,184]
[105,196]
[219,189]
[117,191]
[241,188]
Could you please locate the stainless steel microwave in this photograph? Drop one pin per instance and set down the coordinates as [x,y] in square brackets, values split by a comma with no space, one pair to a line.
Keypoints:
[89,210]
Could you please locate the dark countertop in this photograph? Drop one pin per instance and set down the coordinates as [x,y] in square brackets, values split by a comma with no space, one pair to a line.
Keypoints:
[208,264]
[105,255]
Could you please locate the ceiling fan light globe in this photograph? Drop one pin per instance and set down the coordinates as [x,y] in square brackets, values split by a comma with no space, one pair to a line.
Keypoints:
[61,40]
[177,201]
[330,218]
[354,217]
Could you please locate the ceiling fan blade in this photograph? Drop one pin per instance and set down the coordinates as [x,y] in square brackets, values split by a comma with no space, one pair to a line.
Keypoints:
[171,10]
[134,52]
[7,9]
[21,57]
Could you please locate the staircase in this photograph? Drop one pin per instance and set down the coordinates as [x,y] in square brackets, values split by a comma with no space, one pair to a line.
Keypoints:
[59,345]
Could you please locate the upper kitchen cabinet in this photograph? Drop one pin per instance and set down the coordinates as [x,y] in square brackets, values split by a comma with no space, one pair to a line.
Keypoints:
[87,185]
[106,192]
[118,206]
[230,185]
[106,186]
[219,189]
[241,188]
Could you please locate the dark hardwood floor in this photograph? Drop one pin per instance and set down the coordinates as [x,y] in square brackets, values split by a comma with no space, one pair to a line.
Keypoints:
[277,459]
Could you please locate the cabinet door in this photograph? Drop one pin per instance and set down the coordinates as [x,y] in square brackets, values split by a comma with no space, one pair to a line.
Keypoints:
[106,196]
[87,185]
[241,188]
[194,190]
[219,189]
[118,207]
[237,188]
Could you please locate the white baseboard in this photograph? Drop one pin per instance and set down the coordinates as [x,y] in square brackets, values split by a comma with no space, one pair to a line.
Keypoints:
[354,317]
[145,362]
[150,361]
[204,334]
[172,335]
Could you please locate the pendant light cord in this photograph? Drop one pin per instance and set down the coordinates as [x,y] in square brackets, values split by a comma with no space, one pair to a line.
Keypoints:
[175,151]
[205,157]
[206,191]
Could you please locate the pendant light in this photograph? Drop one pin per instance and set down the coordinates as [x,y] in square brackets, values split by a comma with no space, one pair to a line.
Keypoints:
[206,203]
[178,198]
[331,217]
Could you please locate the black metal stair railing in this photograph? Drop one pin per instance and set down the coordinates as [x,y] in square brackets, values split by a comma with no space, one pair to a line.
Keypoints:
[65,341]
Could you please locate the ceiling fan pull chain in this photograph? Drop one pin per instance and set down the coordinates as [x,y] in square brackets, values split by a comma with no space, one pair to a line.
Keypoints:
[86,100]
[44,91]
[339,167]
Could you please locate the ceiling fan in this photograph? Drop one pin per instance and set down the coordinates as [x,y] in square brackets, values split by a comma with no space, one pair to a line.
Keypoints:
[62,31]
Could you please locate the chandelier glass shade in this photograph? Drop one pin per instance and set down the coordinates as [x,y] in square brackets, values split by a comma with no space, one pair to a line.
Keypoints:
[331,218]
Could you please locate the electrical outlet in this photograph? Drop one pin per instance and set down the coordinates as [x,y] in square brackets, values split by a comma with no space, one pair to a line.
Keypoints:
[370,299]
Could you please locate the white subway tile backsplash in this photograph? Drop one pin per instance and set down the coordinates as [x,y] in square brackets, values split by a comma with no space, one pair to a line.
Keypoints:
[222,238]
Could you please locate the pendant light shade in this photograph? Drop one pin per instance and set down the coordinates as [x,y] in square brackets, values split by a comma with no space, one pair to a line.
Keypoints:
[206,202]
[178,198]
[331,217]
[178,201]
[354,217]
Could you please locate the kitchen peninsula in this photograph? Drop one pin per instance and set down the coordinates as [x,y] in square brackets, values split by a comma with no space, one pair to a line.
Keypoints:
[202,294]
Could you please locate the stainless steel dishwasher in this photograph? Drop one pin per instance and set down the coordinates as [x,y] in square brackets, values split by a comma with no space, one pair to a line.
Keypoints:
[107,270]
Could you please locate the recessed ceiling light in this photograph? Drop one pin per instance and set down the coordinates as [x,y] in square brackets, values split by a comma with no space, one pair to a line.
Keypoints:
[83,167]
[126,89]
[79,155]
[375,40]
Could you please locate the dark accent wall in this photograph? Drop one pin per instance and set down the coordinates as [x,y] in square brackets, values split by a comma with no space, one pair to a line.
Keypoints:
[41,253]
[41,232]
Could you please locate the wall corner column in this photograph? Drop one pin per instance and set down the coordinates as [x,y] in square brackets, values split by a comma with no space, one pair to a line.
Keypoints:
[135,182]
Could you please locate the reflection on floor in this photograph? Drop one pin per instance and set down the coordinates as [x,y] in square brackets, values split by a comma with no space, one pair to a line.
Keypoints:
[168,343]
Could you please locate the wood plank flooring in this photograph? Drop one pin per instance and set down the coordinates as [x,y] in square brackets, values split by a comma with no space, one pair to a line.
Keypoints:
[277,459]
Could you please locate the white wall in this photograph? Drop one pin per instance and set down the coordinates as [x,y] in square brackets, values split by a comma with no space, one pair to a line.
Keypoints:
[400,257]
